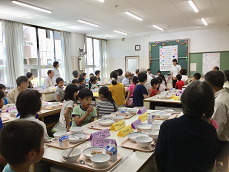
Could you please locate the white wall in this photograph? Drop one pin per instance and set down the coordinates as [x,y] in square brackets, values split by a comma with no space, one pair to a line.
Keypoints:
[208,40]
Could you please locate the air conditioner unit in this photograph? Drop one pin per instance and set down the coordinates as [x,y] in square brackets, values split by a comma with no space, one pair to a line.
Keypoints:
[82,63]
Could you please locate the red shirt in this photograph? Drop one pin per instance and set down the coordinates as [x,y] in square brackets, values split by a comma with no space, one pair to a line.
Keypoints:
[179,85]
[153,92]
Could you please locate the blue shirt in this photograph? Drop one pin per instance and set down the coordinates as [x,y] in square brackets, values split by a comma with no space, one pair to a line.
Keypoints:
[5,101]
[126,81]
[7,169]
[138,97]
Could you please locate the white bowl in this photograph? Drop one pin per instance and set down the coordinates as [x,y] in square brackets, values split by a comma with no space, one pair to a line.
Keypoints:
[132,136]
[118,118]
[77,137]
[156,112]
[100,160]
[59,134]
[107,117]
[153,134]
[76,130]
[161,96]
[157,122]
[105,122]
[156,127]
[122,109]
[13,112]
[164,115]
[144,127]
[143,141]
[169,111]
[132,111]
[87,152]
[73,156]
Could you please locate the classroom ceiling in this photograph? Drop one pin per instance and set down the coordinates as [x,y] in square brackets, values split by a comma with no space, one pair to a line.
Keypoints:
[171,15]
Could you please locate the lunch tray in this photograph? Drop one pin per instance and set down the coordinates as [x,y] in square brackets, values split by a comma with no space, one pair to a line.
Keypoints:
[134,146]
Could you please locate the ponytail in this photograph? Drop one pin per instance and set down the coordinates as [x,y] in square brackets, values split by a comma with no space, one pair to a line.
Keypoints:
[113,77]
[90,84]
[107,94]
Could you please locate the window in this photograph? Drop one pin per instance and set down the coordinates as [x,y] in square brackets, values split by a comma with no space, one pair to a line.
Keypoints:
[2,67]
[93,56]
[41,48]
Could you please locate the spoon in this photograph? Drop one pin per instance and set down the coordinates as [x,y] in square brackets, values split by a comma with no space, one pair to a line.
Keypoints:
[69,153]
[84,163]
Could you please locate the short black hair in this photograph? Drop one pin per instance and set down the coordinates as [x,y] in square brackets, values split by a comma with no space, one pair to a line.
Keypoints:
[21,79]
[92,74]
[216,67]
[97,72]
[55,63]
[155,81]
[85,92]
[197,76]
[158,71]
[226,72]
[81,79]
[75,73]
[135,79]
[2,86]
[29,74]
[2,95]
[137,71]
[18,138]
[183,71]
[69,92]
[120,72]
[148,69]
[75,81]
[116,71]
[59,79]
[215,78]
[174,60]
[49,72]
[198,99]
[179,77]
[28,103]
[83,74]
[142,77]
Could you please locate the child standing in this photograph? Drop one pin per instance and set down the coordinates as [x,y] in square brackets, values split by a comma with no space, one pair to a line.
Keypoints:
[3,88]
[126,80]
[179,83]
[75,82]
[154,85]
[29,111]
[21,145]
[85,113]
[106,105]
[65,119]
[129,99]
[97,74]
[140,92]
[59,94]
[81,83]
[184,76]
[149,73]
[93,83]
[117,90]
[158,73]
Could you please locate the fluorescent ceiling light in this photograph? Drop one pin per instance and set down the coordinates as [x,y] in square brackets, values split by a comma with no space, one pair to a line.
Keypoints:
[117,31]
[204,21]
[158,27]
[31,6]
[193,6]
[134,16]
[89,23]
[101,0]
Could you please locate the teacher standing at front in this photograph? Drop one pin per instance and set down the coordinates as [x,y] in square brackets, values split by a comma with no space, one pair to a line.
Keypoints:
[56,71]
[174,71]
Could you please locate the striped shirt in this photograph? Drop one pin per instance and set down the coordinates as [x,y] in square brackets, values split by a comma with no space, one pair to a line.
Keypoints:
[105,107]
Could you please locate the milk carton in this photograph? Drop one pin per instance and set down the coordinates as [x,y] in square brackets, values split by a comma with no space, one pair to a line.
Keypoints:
[112,151]
[64,141]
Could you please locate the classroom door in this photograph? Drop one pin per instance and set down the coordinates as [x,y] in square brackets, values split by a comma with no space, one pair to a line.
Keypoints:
[132,63]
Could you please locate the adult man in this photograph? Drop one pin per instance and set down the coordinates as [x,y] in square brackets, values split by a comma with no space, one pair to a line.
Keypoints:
[97,74]
[49,82]
[22,84]
[221,112]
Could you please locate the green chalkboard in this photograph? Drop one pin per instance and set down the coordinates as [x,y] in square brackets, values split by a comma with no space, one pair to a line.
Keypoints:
[183,55]
[198,59]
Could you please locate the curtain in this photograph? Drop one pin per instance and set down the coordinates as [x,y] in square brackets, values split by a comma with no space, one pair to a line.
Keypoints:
[103,59]
[66,57]
[13,48]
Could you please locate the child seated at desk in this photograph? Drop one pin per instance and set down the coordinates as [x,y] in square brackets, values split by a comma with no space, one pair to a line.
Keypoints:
[75,82]
[21,145]
[3,88]
[93,83]
[85,113]
[154,86]
[59,94]
[107,105]
[28,105]
[196,77]
[162,87]
[82,82]
[179,83]
[65,119]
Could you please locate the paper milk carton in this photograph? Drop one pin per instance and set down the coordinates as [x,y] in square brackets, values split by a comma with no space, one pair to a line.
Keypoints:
[112,151]
[64,141]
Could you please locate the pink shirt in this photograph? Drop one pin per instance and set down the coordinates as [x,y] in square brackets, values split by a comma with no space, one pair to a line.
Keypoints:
[131,88]
[162,87]
[214,123]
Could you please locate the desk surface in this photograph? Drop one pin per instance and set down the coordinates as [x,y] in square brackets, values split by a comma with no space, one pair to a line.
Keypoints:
[153,99]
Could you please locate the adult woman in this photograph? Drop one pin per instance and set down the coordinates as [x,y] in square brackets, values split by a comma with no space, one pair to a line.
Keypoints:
[31,77]
[174,71]
[189,143]
[56,71]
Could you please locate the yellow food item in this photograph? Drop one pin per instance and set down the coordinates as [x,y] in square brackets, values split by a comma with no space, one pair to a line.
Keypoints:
[95,152]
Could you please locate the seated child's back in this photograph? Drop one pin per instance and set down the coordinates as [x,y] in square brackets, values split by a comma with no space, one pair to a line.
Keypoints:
[179,83]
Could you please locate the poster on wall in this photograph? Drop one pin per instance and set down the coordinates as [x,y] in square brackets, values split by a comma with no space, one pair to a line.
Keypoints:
[209,61]
[167,54]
